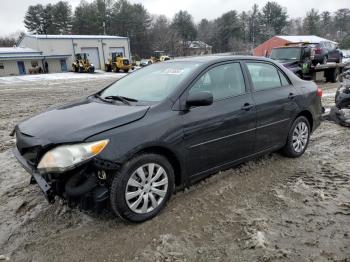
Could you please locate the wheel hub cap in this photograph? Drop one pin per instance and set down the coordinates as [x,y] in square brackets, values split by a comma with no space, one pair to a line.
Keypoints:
[300,137]
[146,188]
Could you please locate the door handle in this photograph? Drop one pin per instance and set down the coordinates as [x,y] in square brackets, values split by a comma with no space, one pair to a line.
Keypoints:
[291,96]
[247,107]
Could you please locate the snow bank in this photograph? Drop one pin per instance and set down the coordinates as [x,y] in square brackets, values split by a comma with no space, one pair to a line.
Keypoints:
[57,76]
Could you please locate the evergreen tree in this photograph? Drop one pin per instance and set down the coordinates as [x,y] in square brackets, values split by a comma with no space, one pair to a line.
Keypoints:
[184,28]
[33,19]
[62,17]
[342,22]
[274,19]
[311,23]
[254,26]
[229,31]
[161,34]
[85,21]
[326,23]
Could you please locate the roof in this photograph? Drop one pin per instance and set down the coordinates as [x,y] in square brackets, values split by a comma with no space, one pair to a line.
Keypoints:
[76,36]
[217,58]
[17,50]
[9,53]
[304,38]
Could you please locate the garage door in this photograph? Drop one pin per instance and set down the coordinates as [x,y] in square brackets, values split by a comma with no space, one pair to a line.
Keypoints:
[93,55]
[119,50]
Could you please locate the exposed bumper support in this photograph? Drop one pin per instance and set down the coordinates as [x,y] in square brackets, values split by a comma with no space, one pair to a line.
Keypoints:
[44,186]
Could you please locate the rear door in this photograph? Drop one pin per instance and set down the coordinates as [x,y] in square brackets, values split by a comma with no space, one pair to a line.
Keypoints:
[275,100]
[224,131]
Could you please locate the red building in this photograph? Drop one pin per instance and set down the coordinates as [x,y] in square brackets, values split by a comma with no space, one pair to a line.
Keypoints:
[265,48]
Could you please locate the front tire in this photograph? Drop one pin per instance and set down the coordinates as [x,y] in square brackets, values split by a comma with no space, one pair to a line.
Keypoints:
[142,187]
[298,138]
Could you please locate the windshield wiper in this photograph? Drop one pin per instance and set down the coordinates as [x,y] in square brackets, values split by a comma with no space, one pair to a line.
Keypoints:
[123,99]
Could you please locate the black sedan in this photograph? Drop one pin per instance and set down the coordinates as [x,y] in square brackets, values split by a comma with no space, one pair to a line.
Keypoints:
[163,128]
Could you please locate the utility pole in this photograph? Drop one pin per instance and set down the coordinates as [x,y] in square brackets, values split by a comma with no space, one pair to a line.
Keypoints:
[104,17]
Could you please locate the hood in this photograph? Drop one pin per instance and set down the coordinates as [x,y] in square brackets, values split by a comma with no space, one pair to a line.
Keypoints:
[79,120]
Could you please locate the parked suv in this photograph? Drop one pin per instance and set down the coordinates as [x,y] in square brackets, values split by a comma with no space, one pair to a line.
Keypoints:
[327,52]
[164,127]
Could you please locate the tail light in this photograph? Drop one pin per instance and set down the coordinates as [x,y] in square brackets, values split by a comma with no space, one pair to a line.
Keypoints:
[319,91]
[317,50]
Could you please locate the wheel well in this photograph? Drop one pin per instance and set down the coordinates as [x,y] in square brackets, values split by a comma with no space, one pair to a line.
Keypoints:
[172,158]
[308,116]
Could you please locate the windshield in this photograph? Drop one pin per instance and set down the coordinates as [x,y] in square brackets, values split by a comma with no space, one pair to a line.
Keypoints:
[152,83]
[285,53]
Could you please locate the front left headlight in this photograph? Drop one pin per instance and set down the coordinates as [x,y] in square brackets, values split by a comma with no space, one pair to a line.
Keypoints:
[67,157]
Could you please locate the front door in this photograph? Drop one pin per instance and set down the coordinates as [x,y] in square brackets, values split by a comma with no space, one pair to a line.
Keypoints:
[275,100]
[224,131]
[63,65]
[21,68]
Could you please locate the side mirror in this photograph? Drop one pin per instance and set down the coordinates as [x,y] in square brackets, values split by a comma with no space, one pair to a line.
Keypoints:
[201,98]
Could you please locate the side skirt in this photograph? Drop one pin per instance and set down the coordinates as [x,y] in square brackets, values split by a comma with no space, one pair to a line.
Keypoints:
[199,176]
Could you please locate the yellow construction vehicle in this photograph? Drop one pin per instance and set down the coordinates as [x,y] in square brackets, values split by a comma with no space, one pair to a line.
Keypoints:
[117,63]
[82,64]
[159,56]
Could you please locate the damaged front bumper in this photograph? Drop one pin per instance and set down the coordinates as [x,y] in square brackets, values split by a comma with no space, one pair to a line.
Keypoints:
[86,187]
[42,183]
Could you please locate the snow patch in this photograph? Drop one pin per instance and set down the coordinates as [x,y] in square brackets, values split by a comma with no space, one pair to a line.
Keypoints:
[57,76]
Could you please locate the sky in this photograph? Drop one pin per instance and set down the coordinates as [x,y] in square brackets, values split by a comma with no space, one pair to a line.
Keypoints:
[12,11]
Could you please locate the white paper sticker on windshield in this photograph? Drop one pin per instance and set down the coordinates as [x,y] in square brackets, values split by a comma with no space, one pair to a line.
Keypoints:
[173,71]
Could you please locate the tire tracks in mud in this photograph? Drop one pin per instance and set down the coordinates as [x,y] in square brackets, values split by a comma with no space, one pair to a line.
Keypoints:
[269,209]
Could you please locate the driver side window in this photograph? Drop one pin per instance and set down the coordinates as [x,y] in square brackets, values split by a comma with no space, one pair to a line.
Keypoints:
[222,81]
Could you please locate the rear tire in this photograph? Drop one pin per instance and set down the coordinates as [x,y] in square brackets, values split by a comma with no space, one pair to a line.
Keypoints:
[134,194]
[298,138]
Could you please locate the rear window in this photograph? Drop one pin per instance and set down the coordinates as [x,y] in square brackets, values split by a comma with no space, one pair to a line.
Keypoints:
[287,53]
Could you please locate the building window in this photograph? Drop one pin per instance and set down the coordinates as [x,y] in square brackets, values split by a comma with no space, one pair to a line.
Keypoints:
[34,63]
[2,66]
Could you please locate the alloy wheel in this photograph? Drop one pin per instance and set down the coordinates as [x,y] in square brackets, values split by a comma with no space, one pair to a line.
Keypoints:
[146,188]
[300,137]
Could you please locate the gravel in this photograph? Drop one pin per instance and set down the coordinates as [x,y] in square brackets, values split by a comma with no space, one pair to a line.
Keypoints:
[272,208]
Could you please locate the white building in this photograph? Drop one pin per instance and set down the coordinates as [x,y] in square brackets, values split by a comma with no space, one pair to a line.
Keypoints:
[21,61]
[58,51]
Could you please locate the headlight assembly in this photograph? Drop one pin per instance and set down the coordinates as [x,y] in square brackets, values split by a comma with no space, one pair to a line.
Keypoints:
[66,157]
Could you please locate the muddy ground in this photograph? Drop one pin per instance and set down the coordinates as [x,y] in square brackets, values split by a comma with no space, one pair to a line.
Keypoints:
[270,209]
